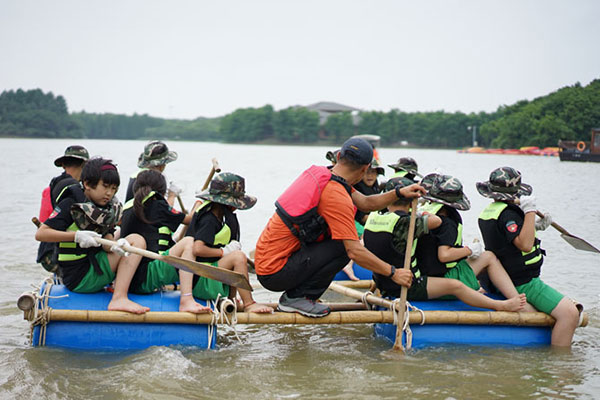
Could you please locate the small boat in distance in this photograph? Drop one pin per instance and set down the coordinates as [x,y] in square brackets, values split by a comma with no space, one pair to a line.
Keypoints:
[571,150]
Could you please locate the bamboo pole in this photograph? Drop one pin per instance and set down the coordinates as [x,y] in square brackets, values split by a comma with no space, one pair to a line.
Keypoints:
[355,294]
[345,317]
[404,290]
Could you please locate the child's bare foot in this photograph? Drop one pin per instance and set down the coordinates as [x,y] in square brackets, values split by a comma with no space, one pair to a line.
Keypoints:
[258,308]
[124,304]
[516,303]
[188,304]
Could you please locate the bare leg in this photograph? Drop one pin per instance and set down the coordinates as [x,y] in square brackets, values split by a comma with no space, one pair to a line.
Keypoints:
[187,303]
[237,262]
[567,318]
[497,275]
[437,287]
[125,269]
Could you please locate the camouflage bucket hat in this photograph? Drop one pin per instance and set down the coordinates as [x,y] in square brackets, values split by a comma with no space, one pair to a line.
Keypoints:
[229,189]
[376,166]
[88,216]
[407,164]
[445,189]
[504,184]
[77,152]
[398,181]
[156,153]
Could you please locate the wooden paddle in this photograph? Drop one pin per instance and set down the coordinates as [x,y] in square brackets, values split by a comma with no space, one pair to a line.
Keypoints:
[404,291]
[573,240]
[181,204]
[215,168]
[230,278]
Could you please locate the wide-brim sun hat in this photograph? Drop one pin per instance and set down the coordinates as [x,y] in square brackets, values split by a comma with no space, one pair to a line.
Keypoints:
[407,164]
[504,185]
[445,189]
[376,166]
[73,152]
[229,189]
[156,153]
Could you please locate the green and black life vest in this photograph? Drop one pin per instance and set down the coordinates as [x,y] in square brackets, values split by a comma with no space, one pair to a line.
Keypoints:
[378,238]
[165,234]
[434,208]
[71,253]
[521,266]
[230,230]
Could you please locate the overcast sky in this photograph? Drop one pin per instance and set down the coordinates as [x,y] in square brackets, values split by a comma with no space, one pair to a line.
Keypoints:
[184,59]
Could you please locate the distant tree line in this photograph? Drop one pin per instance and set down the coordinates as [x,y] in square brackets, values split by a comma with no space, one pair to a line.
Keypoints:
[569,113]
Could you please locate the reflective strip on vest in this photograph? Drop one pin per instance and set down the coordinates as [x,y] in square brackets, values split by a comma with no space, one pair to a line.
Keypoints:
[492,212]
[400,174]
[223,237]
[66,249]
[433,208]
[385,223]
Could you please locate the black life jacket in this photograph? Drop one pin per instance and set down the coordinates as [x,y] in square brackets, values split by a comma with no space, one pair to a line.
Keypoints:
[64,186]
[297,206]
[521,266]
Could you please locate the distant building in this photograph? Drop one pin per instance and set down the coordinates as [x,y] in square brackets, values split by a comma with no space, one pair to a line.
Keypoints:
[327,108]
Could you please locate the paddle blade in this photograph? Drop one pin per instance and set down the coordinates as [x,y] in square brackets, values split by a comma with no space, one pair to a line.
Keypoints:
[208,271]
[579,243]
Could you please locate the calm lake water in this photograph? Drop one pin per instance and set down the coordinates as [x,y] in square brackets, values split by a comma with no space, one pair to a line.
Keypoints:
[299,361]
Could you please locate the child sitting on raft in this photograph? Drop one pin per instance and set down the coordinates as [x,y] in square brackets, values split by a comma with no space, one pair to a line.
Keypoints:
[441,252]
[216,233]
[386,235]
[86,267]
[149,214]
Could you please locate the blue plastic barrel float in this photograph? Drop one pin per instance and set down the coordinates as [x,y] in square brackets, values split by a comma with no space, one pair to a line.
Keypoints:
[360,272]
[109,336]
[429,335]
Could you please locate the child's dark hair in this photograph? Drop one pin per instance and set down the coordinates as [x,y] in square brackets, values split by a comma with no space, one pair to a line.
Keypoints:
[98,168]
[146,182]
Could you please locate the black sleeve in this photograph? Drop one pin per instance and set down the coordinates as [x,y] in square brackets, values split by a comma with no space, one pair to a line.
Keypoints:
[167,215]
[510,224]
[205,228]
[446,233]
[61,219]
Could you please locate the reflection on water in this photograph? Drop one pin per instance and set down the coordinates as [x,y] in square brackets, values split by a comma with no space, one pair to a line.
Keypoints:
[300,361]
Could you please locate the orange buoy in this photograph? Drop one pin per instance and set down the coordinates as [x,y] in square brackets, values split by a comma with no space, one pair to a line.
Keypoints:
[581,145]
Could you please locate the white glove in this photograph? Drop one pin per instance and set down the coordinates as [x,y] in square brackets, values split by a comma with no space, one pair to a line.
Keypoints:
[541,224]
[476,248]
[234,245]
[118,248]
[173,188]
[85,239]
[527,203]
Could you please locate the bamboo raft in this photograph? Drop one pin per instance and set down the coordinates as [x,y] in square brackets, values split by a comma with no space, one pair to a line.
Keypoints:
[61,318]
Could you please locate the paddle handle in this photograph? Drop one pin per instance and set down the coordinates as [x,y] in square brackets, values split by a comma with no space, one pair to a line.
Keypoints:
[130,249]
[181,204]
[554,225]
[36,221]
[404,289]
[215,168]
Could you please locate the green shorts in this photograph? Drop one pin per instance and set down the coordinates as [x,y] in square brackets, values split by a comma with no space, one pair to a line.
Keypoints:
[540,295]
[360,228]
[158,274]
[209,289]
[464,273]
[92,282]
